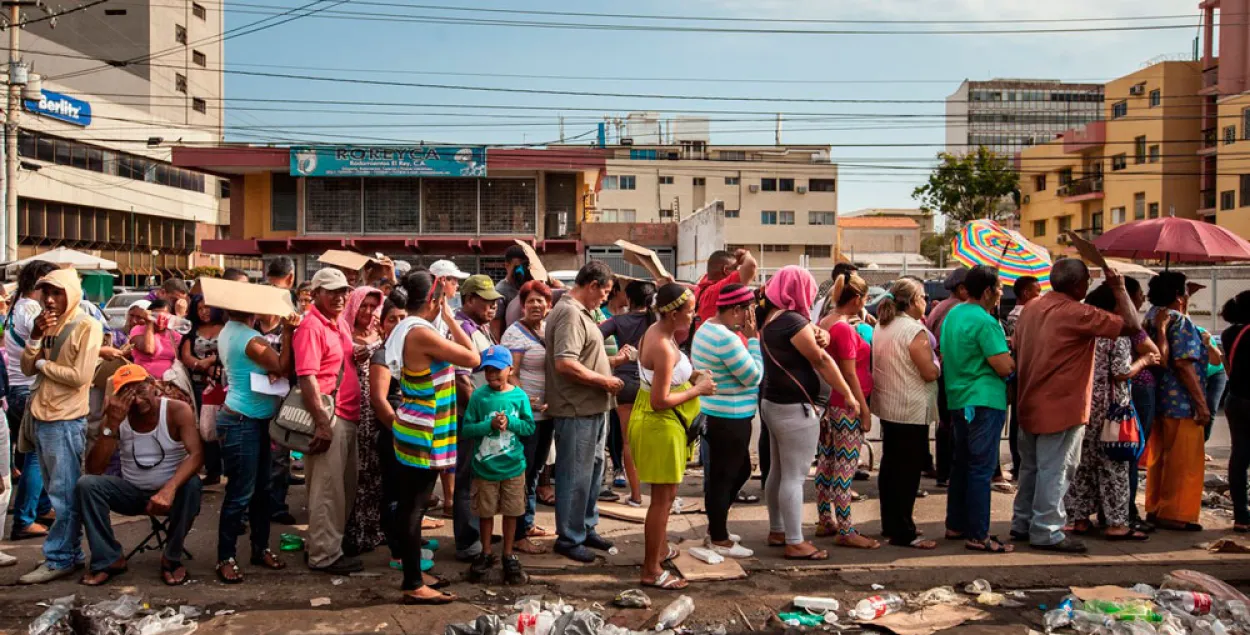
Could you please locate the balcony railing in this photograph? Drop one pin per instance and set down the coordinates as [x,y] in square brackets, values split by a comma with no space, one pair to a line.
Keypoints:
[1207,199]
[1211,77]
[1209,138]
[1082,186]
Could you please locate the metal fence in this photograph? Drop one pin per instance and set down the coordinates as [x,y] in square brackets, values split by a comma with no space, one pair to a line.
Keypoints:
[1221,284]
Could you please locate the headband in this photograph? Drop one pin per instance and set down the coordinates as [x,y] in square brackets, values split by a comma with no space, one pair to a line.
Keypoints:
[676,304]
[734,298]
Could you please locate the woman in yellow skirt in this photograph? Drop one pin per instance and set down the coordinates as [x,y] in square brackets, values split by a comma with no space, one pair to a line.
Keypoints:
[667,404]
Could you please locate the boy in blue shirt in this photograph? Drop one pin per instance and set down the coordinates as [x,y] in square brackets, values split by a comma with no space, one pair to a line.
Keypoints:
[498,413]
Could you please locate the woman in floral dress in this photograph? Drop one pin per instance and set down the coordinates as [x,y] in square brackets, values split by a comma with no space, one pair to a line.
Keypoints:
[364,526]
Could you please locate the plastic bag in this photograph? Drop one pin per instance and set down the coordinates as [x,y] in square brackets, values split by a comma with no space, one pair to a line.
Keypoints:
[1187,580]
[483,625]
[577,623]
[53,620]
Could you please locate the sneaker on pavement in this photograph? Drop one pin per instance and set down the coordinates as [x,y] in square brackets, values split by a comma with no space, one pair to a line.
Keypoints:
[732,536]
[45,573]
[577,552]
[595,541]
[618,478]
[33,530]
[481,566]
[1067,545]
[6,560]
[512,571]
[608,496]
[736,551]
[343,566]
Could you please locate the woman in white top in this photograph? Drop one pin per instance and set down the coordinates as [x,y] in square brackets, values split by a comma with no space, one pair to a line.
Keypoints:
[905,373]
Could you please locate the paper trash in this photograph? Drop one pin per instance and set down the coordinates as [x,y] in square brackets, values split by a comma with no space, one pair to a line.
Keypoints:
[645,258]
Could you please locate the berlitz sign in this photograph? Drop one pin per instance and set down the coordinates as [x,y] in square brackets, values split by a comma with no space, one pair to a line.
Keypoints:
[61,107]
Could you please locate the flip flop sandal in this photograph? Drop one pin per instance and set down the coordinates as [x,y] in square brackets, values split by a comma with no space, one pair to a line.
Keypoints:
[171,570]
[668,582]
[232,565]
[1132,536]
[856,497]
[950,536]
[922,544]
[438,583]
[990,545]
[269,560]
[819,554]
[539,532]
[1088,529]
[746,499]
[431,523]
[672,553]
[437,600]
[109,574]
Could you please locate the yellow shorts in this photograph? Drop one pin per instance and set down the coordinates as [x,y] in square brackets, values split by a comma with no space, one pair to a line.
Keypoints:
[498,498]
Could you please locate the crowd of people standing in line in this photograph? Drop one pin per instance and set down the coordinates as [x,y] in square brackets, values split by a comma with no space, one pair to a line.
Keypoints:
[515,396]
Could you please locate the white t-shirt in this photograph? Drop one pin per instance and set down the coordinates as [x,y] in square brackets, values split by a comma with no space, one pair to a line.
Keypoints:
[533,370]
[23,321]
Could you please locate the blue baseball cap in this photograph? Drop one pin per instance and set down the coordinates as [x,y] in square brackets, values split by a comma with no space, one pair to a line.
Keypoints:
[496,357]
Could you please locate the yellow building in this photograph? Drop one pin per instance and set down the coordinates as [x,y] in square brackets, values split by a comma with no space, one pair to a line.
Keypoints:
[1231,196]
[1142,161]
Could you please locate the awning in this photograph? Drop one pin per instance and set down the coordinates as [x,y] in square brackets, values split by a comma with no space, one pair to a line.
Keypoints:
[441,245]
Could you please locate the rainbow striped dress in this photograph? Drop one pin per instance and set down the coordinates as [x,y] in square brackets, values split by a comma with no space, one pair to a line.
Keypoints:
[425,422]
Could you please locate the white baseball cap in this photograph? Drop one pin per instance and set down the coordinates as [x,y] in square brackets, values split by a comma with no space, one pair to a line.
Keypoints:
[330,279]
[447,269]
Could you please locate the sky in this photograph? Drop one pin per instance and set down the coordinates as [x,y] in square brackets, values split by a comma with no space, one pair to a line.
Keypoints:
[739,79]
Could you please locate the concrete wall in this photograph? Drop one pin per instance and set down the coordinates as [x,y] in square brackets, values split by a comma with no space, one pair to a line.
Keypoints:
[859,240]
[697,237]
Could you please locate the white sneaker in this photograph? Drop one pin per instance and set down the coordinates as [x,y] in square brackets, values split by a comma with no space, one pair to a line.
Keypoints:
[6,560]
[707,538]
[736,551]
[44,573]
[677,505]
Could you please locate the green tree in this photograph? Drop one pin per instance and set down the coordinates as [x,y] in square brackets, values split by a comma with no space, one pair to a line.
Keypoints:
[933,246]
[967,187]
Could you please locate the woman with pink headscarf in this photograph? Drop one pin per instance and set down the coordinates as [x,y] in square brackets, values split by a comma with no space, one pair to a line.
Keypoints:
[794,365]
[361,318]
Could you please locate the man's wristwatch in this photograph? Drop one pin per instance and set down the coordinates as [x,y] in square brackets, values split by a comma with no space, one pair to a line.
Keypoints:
[106,431]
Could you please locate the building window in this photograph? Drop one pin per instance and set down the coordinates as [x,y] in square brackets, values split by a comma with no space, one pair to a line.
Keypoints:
[224,185]
[618,216]
[775,248]
[820,218]
[818,251]
[180,82]
[1119,162]
[1117,215]
[1139,206]
[199,105]
[283,201]
[1230,135]
[1245,124]
[1155,153]
[180,34]
[1245,190]
[785,185]
[623,182]
[50,149]
[666,180]
[768,218]
[1065,176]
[666,214]
[768,185]
[1139,150]
[1039,183]
[1095,222]
[199,11]
[733,155]
[785,218]
[1156,98]
[1154,210]
[642,155]
[731,180]
[1039,227]
[732,213]
[699,181]
[1119,109]
[1228,199]
[1065,223]
[199,59]
[822,185]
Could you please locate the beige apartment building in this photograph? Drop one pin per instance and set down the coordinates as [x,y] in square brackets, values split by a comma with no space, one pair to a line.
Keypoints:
[781,202]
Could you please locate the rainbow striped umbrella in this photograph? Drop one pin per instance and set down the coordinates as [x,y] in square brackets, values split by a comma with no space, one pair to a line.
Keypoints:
[985,242]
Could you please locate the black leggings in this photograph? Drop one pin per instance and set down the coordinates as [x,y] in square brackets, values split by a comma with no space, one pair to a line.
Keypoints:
[729,440]
[903,450]
[1238,412]
[415,486]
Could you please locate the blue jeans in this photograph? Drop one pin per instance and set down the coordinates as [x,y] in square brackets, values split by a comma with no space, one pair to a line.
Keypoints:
[100,495]
[579,472]
[30,501]
[245,457]
[61,445]
[537,449]
[975,459]
[1049,463]
[1215,394]
[1144,399]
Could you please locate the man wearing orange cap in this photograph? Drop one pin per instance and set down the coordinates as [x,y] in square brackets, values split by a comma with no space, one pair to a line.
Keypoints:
[161,453]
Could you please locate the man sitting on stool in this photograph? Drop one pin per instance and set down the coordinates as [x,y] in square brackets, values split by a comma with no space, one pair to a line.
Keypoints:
[161,453]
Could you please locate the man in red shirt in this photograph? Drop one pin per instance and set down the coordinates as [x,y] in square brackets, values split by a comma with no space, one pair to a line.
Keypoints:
[723,268]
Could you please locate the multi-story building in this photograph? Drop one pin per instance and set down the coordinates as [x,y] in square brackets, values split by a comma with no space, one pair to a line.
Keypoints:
[1225,153]
[925,220]
[96,172]
[1141,162]
[1007,115]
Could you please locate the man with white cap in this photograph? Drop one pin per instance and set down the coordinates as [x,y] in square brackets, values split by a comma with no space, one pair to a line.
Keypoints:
[323,364]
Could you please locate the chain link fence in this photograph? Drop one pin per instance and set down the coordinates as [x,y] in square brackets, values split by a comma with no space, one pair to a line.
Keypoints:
[1221,283]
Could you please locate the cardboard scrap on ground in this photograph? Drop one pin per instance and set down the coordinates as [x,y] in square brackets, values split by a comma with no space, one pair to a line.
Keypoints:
[345,259]
[1228,544]
[645,258]
[246,297]
[536,264]
[1107,593]
[696,570]
[930,620]
[624,511]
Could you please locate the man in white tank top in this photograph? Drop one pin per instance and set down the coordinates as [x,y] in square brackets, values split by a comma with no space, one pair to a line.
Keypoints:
[161,453]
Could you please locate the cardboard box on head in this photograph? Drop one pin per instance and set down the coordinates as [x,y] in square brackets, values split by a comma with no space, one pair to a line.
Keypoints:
[536,264]
[246,297]
[645,258]
[346,259]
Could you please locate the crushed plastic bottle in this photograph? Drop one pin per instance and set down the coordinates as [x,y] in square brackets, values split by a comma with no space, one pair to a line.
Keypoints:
[1087,622]
[871,608]
[292,542]
[49,620]
[632,599]
[1191,602]
[1144,589]
[996,599]
[939,595]
[1133,628]
[674,614]
[164,623]
[977,587]
[1056,618]
[801,618]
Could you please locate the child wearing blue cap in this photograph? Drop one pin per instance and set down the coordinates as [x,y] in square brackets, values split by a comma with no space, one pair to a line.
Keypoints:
[498,413]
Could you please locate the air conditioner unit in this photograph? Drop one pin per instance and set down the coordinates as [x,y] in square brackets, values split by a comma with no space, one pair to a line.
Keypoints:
[1137,89]
[627,141]
[753,188]
[1026,199]
[802,189]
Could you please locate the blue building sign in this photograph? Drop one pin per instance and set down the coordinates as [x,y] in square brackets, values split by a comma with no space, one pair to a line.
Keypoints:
[61,107]
[416,160]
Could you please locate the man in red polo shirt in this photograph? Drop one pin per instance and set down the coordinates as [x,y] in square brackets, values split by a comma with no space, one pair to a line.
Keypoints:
[723,268]
[323,356]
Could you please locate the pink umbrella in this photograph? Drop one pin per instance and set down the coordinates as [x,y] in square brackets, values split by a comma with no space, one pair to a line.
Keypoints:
[1173,238]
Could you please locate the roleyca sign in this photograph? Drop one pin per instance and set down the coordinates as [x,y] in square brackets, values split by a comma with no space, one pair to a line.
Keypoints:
[61,107]
[445,161]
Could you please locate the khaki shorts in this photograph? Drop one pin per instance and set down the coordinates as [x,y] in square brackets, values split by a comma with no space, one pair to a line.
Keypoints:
[498,498]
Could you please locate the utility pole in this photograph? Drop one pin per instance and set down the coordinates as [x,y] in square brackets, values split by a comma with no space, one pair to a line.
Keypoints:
[11,117]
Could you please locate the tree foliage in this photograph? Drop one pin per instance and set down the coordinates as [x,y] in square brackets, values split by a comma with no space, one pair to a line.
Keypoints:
[967,187]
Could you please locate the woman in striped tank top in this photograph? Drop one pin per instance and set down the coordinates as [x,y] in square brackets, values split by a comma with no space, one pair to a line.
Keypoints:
[425,422]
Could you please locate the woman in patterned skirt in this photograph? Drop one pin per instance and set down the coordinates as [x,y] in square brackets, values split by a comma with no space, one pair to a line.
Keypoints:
[364,526]
[425,423]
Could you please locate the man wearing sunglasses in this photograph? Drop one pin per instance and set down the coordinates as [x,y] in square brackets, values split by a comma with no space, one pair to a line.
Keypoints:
[161,454]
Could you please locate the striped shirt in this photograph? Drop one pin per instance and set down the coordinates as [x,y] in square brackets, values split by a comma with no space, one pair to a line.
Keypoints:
[899,393]
[736,370]
[425,422]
